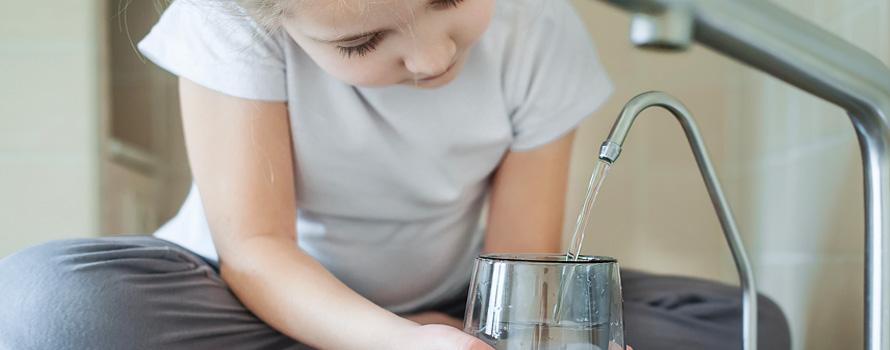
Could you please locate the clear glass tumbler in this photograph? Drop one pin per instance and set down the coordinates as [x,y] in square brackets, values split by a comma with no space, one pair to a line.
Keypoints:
[542,301]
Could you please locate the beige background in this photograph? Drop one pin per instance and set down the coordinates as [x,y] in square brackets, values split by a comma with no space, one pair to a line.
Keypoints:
[90,144]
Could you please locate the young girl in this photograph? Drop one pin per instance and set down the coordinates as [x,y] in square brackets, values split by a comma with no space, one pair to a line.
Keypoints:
[341,152]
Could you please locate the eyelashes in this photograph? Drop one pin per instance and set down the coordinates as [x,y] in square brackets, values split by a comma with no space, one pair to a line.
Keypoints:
[368,46]
[364,48]
[449,3]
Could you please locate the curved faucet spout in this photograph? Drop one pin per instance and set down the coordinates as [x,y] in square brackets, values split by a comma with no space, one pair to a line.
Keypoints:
[612,148]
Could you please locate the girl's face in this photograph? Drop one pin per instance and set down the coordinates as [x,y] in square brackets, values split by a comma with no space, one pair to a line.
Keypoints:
[420,43]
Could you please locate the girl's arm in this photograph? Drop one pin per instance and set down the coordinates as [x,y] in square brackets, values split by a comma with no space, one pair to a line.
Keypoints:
[525,209]
[240,156]
[528,200]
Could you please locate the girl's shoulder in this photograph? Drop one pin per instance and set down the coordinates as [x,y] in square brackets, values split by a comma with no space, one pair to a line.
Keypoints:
[225,16]
[525,25]
[532,12]
[529,23]
[217,44]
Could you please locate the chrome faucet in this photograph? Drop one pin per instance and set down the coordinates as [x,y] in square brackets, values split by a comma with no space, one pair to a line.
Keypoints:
[779,43]
[612,148]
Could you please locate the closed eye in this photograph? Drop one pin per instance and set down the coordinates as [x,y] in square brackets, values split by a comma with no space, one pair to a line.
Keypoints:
[361,48]
[447,3]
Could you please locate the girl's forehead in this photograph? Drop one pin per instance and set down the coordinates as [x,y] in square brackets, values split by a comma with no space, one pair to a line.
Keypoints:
[349,11]
[331,19]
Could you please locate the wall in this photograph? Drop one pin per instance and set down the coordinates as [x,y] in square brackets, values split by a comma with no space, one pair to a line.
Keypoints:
[803,183]
[80,114]
[50,110]
[146,173]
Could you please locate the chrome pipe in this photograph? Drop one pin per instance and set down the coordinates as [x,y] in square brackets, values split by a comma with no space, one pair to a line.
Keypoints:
[781,44]
[612,148]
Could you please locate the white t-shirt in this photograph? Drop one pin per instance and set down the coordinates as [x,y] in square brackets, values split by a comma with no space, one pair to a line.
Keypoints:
[390,181]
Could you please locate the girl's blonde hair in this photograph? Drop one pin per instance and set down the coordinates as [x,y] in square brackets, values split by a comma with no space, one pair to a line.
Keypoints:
[267,13]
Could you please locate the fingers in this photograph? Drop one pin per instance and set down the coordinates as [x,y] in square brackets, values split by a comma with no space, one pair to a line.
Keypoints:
[471,343]
[454,339]
[480,345]
[616,346]
[435,318]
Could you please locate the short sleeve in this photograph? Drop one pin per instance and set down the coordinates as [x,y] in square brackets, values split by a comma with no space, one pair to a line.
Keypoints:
[556,80]
[219,47]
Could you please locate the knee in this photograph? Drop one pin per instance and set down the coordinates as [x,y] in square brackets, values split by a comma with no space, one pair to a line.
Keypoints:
[29,274]
[773,331]
[39,301]
[25,292]
[695,314]
[57,295]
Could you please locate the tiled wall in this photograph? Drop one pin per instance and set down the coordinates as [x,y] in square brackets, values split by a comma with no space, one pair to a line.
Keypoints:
[797,159]
[49,121]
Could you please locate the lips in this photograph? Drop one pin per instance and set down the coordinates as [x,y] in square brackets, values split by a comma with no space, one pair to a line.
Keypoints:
[440,75]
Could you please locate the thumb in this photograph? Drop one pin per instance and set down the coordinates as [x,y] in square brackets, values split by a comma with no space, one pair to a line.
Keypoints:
[464,341]
[471,343]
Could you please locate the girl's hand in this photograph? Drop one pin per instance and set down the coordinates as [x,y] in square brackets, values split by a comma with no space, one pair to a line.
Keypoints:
[436,337]
[433,317]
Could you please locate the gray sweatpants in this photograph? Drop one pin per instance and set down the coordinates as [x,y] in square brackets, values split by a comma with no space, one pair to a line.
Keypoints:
[139,292]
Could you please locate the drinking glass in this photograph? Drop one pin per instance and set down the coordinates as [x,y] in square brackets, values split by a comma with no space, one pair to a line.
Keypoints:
[544,301]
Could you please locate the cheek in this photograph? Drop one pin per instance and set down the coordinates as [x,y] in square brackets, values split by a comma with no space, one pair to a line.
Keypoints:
[364,71]
[475,17]
[374,69]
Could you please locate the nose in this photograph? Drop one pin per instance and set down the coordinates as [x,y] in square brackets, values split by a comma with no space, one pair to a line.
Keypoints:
[431,57]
